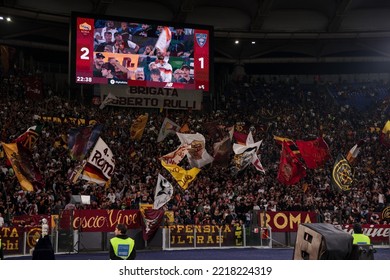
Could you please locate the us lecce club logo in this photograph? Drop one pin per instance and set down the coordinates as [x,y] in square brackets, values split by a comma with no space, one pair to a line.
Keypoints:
[201,39]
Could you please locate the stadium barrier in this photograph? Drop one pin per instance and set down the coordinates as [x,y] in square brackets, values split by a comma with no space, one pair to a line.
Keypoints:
[90,230]
[179,237]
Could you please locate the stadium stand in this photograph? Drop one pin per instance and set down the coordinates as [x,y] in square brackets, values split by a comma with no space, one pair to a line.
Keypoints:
[342,113]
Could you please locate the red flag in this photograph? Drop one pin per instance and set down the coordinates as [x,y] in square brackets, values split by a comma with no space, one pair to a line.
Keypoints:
[240,137]
[291,169]
[23,164]
[214,130]
[29,138]
[315,152]
[222,152]
[151,221]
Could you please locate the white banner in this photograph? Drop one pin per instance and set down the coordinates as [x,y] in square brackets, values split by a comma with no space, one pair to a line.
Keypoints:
[247,153]
[176,156]
[163,192]
[109,98]
[100,165]
[168,127]
[197,154]
[151,97]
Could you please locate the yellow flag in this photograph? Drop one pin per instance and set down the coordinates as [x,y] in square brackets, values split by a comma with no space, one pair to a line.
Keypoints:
[170,217]
[12,152]
[61,141]
[386,128]
[280,140]
[138,126]
[54,220]
[182,176]
[374,129]
[385,135]
[107,184]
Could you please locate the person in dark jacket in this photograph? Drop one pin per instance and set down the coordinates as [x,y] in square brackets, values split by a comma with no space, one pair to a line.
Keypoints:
[122,247]
[43,249]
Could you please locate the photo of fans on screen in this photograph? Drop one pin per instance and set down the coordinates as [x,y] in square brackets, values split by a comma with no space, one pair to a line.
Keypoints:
[139,51]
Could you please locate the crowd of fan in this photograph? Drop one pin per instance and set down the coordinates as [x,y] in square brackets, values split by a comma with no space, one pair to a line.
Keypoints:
[286,109]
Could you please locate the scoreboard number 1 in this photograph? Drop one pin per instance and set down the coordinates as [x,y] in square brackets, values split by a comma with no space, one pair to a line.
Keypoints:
[85,53]
[201,59]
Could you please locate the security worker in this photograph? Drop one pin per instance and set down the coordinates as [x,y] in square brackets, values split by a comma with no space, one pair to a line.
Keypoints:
[358,237]
[122,247]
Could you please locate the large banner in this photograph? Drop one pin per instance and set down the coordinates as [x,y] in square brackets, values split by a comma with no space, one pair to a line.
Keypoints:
[12,239]
[30,220]
[105,220]
[205,236]
[151,97]
[74,121]
[285,221]
[99,220]
[377,233]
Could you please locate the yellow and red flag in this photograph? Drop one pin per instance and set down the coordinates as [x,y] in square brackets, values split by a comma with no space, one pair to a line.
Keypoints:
[23,165]
[385,135]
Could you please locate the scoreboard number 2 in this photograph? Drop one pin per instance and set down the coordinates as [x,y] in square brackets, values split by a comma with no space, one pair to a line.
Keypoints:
[85,53]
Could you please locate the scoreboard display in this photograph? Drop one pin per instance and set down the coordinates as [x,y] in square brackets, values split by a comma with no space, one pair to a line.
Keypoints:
[135,52]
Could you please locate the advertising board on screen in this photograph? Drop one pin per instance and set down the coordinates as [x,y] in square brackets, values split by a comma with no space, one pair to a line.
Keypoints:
[124,51]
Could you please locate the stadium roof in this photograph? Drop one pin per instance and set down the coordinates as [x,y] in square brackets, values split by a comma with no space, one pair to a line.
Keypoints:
[283,30]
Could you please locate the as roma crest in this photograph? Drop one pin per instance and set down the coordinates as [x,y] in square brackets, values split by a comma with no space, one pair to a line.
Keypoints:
[386,213]
[85,28]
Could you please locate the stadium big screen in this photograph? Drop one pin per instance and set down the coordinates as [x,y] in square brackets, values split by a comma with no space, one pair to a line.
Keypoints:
[125,51]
